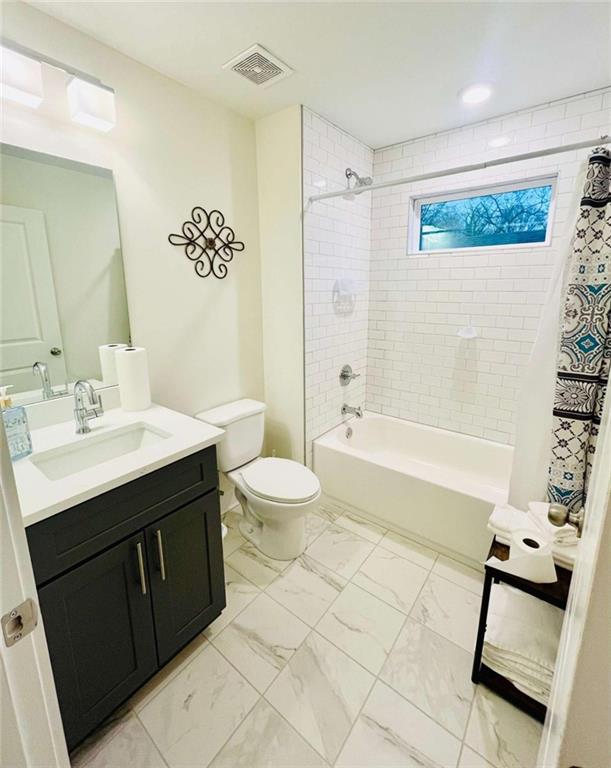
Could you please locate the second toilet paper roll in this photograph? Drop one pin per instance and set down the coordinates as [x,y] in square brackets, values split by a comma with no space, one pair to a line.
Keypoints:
[133,376]
[530,557]
[108,364]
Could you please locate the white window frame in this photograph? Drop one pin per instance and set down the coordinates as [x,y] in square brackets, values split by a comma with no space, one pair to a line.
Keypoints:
[416,202]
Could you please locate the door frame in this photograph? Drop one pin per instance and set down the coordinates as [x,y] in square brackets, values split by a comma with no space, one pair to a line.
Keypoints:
[598,507]
[26,665]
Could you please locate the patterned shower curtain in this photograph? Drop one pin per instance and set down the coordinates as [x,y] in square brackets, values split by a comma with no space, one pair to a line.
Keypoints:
[585,348]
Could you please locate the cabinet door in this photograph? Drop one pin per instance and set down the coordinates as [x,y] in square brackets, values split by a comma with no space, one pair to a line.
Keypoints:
[99,627]
[186,567]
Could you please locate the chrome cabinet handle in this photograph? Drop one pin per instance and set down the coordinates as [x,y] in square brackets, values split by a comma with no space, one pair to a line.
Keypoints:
[141,568]
[160,552]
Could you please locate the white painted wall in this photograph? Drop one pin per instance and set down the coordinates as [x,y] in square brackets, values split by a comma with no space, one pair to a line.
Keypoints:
[336,248]
[279,190]
[417,366]
[82,229]
[170,150]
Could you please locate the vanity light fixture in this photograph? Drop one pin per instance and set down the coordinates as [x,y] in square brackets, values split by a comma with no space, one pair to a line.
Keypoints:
[91,104]
[476,94]
[21,78]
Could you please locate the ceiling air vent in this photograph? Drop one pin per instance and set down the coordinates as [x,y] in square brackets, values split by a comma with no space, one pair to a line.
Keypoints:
[259,66]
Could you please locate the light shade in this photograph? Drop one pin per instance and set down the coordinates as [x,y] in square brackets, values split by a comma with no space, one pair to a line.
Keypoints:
[476,94]
[91,105]
[21,78]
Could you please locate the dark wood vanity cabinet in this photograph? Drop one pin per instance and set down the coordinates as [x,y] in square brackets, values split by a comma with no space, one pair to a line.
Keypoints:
[182,548]
[140,586]
[101,637]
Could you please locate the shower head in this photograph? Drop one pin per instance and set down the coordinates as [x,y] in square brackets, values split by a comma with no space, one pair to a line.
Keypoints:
[359,182]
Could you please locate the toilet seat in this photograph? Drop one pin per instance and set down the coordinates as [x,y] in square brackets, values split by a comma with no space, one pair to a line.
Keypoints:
[281,480]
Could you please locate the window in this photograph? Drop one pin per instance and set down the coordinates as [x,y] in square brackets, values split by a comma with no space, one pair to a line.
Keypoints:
[498,215]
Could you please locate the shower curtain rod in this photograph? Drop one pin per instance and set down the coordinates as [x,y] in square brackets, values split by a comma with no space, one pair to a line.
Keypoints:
[463,168]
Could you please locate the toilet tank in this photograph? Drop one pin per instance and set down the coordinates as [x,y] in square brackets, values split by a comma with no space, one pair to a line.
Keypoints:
[243,422]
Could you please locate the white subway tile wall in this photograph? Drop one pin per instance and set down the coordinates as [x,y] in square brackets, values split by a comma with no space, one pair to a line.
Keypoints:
[337,239]
[416,365]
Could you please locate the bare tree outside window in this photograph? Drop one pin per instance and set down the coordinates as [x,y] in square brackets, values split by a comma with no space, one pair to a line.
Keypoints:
[502,218]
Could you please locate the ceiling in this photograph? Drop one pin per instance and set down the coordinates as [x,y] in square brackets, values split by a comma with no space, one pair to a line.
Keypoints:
[385,72]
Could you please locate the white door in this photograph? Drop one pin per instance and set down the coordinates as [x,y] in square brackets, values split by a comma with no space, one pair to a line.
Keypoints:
[31,734]
[29,322]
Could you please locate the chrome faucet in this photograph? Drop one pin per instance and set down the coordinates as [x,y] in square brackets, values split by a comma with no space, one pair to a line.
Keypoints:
[346,375]
[82,413]
[349,410]
[559,515]
[42,369]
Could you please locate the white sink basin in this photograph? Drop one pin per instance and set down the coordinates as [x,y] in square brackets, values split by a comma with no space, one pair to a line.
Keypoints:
[66,460]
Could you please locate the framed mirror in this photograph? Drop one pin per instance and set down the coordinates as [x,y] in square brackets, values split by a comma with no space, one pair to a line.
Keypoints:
[62,282]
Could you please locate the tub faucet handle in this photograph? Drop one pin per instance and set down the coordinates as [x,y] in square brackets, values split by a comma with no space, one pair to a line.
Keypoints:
[346,375]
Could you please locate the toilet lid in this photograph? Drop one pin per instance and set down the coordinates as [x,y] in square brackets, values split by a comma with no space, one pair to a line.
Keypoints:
[281,480]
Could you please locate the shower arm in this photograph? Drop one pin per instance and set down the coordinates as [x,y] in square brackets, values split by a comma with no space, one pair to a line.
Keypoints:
[358,190]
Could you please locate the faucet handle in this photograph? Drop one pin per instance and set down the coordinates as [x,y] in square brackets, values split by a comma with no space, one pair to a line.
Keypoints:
[346,375]
[98,406]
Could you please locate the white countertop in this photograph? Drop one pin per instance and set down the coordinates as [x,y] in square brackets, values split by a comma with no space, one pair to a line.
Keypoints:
[41,498]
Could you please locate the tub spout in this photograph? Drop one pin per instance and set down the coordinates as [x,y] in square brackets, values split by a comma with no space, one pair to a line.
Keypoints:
[349,410]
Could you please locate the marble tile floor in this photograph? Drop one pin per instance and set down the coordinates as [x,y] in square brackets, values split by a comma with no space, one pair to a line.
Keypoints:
[358,653]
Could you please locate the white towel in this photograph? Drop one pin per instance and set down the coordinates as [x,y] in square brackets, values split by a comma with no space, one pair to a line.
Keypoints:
[506,519]
[533,686]
[565,535]
[521,641]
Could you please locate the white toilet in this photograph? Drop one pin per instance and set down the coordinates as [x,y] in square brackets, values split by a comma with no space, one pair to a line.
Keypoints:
[275,494]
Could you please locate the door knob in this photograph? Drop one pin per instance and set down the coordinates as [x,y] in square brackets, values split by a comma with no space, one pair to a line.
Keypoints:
[55,351]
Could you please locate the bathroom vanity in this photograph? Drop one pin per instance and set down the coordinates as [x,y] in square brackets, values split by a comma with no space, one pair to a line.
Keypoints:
[131,573]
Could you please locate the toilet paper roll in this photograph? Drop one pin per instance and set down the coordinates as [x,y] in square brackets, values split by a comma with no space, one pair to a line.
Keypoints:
[108,363]
[530,557]
[133,378]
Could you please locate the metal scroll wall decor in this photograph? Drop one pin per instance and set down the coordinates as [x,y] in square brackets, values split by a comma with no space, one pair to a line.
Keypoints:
[208,242]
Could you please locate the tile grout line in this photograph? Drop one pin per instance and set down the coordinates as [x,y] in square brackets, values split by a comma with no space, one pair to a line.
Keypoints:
[259,697]
[153,742]
[120,726]
[312,629]
[407,617]
[376,676]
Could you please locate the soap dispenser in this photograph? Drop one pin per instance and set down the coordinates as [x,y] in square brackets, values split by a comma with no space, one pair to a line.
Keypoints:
[16,426]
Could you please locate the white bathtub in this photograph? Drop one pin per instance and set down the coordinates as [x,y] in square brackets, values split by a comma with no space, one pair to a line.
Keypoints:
[435,486]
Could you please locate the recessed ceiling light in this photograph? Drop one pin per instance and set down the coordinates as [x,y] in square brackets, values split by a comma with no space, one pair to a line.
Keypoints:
[476,94]
[499,141]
